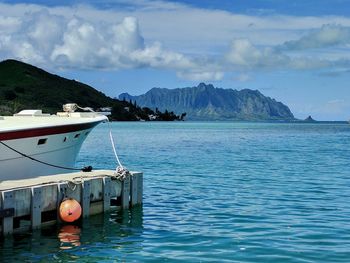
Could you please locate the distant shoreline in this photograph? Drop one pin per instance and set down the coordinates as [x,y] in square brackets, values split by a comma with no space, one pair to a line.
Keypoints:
[250,121]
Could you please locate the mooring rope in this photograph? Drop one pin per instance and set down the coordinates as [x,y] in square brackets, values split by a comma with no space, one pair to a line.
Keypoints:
[113,146]
[84,169]
[121,171]
[110,135]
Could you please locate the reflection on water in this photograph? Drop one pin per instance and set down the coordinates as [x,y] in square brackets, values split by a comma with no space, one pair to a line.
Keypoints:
[69,236]
[115,233]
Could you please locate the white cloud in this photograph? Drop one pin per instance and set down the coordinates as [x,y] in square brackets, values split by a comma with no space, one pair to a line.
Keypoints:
[126,36]
[31,37]
[181,27]
[83,46]
[155,56]
[8,23]
[158,34]
[46,39]
[49,38]
[243,53]
[328,35]
[43,30]
[304,63]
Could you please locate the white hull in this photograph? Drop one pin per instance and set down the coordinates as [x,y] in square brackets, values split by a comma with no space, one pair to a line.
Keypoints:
[55,151]
[54,140]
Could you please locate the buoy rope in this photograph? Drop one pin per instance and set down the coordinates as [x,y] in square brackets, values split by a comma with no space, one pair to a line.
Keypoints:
[84,169]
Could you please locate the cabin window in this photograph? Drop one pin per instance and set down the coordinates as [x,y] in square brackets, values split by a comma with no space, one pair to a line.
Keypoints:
[42,141]
[77,135]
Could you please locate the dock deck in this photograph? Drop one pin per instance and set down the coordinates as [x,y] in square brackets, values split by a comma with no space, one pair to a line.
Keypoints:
[32,203]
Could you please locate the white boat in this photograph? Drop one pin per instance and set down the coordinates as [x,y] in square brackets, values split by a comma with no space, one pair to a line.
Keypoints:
[35,144]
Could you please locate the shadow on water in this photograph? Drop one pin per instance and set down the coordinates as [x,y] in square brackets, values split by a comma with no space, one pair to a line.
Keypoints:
[113,235]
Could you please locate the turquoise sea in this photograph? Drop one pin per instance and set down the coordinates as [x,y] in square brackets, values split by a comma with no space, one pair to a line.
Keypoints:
[213,192]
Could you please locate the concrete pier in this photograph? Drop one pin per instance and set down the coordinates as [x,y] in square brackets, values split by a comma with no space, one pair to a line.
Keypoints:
[33,203]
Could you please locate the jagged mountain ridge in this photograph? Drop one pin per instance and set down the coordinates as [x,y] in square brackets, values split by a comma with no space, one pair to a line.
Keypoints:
[205,102]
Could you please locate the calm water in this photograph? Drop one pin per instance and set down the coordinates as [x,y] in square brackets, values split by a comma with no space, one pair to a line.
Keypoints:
[213,192]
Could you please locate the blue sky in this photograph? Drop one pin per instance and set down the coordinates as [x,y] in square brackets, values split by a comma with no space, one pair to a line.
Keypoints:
[296,7]
[294,51]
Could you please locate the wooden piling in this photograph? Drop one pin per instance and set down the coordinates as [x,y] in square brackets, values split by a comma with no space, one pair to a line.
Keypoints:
[106,193]
[136,185]
[125,195]
[7,203]
[35,207]
[139,188]
[85,198]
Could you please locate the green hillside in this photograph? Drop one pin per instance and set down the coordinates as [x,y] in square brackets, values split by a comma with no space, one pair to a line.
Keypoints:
[23,86]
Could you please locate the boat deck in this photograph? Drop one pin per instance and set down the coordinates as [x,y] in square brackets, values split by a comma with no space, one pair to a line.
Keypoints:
[35,121]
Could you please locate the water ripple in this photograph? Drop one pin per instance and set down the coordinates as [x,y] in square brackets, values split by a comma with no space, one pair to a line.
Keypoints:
[214,192]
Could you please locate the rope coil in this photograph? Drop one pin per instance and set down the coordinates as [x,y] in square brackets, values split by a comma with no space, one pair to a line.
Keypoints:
[121,173]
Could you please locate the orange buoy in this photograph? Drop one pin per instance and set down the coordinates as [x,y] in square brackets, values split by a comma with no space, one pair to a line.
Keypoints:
[70,210]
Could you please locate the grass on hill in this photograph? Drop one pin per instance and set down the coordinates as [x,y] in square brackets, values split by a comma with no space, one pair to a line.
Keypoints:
[23,86]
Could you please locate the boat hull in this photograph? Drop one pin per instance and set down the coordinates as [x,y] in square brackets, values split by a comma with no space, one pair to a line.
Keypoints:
[57,149]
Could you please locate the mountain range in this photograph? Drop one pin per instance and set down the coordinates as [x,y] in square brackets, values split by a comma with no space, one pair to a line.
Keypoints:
[23,86]
[205,102]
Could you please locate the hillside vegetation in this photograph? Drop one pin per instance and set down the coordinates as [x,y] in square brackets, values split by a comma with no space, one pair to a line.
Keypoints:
[23,86]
